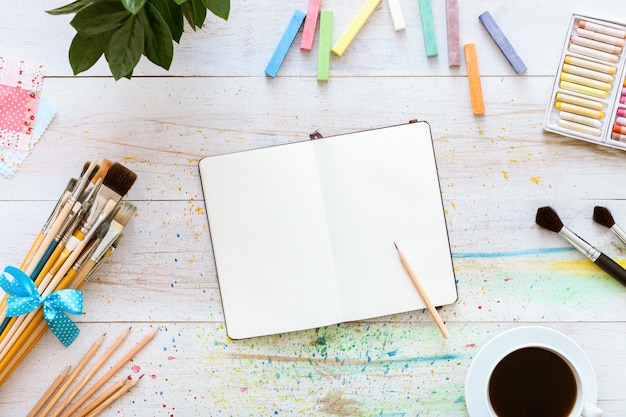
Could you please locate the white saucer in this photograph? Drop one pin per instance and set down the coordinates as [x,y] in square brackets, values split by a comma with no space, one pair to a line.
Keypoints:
[477,376]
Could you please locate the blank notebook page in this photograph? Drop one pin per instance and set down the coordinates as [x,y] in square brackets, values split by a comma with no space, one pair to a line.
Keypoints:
[303,233]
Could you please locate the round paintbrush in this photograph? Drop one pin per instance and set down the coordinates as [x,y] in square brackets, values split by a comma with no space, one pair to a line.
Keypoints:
[603,216]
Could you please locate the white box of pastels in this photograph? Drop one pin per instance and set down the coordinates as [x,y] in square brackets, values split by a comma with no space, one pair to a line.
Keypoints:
[588,99]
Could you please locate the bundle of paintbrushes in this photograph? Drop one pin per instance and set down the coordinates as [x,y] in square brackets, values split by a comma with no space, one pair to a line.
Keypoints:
[83,229]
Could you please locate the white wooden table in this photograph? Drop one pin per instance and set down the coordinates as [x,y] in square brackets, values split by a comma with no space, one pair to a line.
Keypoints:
[495,171]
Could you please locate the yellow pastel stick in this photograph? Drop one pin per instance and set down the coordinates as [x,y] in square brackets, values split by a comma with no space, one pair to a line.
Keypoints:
[588,82]
[584,72]
[357,23]
[579,62]
[585,102]
[583,111]
[566,85]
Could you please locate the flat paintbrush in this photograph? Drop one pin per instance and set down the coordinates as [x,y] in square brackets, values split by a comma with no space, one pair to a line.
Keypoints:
[548,219]
[603,216]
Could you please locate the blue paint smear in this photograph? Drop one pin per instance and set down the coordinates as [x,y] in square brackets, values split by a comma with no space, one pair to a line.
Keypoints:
[429,359]
[505,254]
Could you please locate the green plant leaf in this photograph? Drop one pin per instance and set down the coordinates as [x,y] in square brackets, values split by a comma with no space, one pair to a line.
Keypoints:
[125,48]
[99,18]
[158,45]
[220,8]
[70,8]
[85,51]
[199,12]
[195,13]
[172,15]
[179,2]
[133,6]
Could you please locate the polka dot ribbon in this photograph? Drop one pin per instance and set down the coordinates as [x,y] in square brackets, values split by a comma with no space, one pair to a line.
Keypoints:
[25,298]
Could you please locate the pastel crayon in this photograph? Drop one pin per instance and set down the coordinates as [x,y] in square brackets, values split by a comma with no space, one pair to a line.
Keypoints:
[428,28]
[397,18]
[452,26]
[584,72]
[503,43]
[619,129]
[589,82]
[592,65]
[618,136]
[620,121]
[583,89]
[623,90]
[600,46]
[325,43]
[601,37]
[593,53]
[585,102]
[583,111]
[621,112]
[566,124]
[622,100]
[618,33]
[355,27]
[310,23]
[473,76]
[285,43]
[572,117]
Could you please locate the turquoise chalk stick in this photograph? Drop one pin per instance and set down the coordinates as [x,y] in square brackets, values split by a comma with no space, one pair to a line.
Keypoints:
[428,28]
[285,43]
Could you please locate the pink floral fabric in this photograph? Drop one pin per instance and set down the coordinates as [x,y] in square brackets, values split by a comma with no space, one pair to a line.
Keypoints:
[20,91]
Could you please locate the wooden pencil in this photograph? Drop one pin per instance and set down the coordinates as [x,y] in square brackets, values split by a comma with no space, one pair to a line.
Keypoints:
[92,371]
[83,362]
[49,392]
[423,293]
[97,385]
[102,397]
[117,394]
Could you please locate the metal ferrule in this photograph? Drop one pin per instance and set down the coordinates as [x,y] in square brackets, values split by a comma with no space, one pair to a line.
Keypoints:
[578,243]
[619,232]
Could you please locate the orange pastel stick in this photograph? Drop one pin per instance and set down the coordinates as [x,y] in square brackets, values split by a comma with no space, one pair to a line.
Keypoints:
[473,75]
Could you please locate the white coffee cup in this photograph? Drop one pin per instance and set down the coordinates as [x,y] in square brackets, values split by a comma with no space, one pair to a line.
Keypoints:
[580,406]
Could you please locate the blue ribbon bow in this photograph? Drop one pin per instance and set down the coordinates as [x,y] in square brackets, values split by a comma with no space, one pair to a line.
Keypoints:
[25,298]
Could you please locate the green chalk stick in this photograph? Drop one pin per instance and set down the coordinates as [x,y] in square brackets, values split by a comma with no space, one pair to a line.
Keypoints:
[325,44]
[428,28]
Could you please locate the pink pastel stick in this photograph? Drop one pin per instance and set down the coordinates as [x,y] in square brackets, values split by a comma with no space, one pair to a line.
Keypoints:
[308,33]
[452,22]
[621,112]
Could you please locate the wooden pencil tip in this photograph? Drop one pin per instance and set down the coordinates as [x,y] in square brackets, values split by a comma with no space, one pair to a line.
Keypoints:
[394,244]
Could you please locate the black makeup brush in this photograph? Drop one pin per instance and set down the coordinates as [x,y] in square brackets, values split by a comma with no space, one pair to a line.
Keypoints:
[603,216]
[548,219]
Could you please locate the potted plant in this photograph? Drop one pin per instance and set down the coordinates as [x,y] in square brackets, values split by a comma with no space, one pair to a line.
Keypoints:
[124,30]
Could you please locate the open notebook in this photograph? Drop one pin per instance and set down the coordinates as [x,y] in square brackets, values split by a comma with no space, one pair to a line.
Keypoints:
[303,234]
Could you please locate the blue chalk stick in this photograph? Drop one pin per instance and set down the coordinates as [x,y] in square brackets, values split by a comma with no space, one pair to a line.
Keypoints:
[285,43]
[503,43]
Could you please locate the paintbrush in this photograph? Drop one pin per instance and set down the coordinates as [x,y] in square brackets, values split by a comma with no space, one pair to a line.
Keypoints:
[603,216]
[60,218]
[548,219]
[115,184]
[123,215]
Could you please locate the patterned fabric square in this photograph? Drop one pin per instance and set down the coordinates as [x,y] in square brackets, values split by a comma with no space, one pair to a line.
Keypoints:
[20,89]
[11,159]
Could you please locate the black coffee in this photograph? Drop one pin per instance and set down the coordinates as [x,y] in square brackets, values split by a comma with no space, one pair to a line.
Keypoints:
[532,382]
